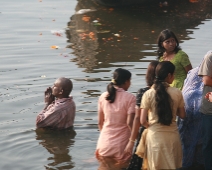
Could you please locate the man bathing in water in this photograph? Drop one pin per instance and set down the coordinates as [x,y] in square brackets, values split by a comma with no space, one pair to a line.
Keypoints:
[59,111]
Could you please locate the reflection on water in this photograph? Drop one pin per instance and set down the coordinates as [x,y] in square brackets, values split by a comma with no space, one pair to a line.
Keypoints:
[111,164]
[57,143]
[101,35]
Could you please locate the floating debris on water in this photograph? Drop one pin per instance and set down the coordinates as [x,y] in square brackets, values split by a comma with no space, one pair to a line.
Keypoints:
[58,33]
[96,22]
[103,31]
[86,19]
[83,11]
[79,31]
[117,35]
[54,47]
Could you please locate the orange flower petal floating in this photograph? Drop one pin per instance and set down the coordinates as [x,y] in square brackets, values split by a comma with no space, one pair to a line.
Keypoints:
[86,19]
[54,47]
[91,35]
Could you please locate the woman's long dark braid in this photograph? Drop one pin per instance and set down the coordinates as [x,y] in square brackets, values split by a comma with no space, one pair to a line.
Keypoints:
[120,76]
[112,93]
[163,100]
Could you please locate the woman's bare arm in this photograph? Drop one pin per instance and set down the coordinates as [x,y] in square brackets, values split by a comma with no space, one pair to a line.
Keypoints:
[187,68]
[181,112]
[135,129]
[130,118]
[207,80]
[143,118]
[100,120]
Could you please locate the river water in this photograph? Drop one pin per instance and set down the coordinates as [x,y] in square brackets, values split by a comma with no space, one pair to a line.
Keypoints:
[92,41]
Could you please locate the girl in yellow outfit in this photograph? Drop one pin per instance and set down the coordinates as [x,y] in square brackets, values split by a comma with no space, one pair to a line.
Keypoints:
[160,145]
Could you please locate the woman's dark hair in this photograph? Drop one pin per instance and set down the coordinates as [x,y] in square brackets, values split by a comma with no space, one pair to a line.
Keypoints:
[150,73]
[163,100]
[120,76]
[164,35]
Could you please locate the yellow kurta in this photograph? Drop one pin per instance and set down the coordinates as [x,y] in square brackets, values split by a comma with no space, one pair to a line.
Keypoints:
[160,145]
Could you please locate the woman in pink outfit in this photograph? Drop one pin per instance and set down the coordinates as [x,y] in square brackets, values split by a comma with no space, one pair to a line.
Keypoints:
[116,109]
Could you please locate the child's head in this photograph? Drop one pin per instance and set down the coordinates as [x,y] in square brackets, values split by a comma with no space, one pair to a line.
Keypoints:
[150,73]
[163,36]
